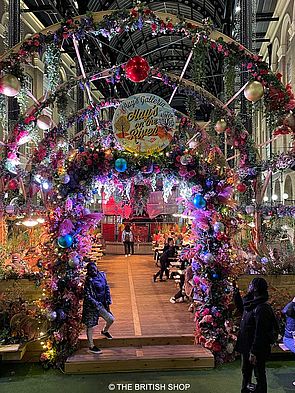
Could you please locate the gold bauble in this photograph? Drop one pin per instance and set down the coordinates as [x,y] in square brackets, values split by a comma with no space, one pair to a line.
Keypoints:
[253,91]
[9,85]
[220,126]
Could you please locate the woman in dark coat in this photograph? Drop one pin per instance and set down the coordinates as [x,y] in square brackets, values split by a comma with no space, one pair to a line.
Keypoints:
[256,333]
[97,300]
[289,335]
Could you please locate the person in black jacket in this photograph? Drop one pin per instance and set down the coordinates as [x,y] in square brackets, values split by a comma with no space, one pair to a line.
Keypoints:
[256,333]
[168,252]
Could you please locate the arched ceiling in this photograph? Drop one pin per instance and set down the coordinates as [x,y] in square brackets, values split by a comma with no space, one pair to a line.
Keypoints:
[168,52]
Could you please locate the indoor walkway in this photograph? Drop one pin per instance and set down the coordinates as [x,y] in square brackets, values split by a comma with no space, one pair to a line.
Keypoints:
[140,306]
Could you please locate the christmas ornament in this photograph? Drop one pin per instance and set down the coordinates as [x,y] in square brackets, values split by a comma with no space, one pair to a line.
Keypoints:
[250,209]
[65,241]
[218,227]
[44,122]
[186,159]
[199,201]
[121,165]
[137,69]
[9,85]
[220,126]
[66,179]
[253,91]
[241,187]
[12,185]
[74,261]
[52,315]
[9,209]
[208,257]
[193,144]
[264,260]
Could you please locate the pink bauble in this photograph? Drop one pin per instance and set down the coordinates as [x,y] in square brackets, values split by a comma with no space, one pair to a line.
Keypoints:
[44,122]
[9,85]
[12,185]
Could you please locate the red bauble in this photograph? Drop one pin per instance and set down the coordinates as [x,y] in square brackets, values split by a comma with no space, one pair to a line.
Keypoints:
[241,187]
[12,185]
[137,69]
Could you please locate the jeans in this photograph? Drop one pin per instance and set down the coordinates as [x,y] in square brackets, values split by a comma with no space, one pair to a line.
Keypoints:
[107,316]
[127,248]
[164,269]
[259,372]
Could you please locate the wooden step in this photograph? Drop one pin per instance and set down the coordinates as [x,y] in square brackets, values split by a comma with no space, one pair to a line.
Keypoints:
[126,359]
[12,352]
[137,341]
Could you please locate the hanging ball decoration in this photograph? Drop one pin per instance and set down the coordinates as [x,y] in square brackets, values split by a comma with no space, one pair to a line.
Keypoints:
[9,209]
[74,261]
[208,257]
[218,227]
[12,185]
[44,122]
[61,142]
[137,69]
[220,126]
[186,159]
[66,179]
[9,85]
[52,315]
[65,241]
[241,187]
[264,260]
[120,165]
[199,201]
[253,91]
[250,209]
[215,276]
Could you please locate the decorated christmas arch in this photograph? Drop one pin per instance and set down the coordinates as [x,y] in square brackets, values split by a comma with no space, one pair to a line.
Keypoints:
[151,148]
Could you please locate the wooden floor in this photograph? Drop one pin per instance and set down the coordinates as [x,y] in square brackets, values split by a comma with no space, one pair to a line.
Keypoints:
[150,333]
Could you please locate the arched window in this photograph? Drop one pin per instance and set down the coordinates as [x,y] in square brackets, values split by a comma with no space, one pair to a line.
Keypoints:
[274,55]
[288,191]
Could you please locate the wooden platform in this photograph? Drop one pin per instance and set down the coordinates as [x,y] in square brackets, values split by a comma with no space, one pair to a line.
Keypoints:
[130,359]
[150,333]
[12,352]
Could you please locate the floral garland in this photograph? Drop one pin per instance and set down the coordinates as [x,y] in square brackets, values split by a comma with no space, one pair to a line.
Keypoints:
[277,99]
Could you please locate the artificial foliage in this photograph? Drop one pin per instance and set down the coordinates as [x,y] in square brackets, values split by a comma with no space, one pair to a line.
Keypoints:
[66,177]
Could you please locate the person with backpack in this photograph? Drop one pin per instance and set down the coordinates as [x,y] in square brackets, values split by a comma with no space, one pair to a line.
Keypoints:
[258,331]
[127,239]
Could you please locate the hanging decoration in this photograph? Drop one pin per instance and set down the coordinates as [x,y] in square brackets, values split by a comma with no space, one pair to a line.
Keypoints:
[10,85]
[254,91]
[137,69]
[144,123]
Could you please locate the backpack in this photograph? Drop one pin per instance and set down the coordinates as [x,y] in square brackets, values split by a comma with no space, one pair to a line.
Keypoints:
[127,237]
[273,334]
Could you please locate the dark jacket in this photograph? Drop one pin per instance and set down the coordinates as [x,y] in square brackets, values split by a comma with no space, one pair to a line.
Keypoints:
[289,311]
[167,253]
[256,324]
[97,291]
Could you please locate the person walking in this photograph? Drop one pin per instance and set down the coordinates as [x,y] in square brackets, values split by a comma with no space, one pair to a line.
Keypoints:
[258,329]
[97,300]
[168,252]
[127,239]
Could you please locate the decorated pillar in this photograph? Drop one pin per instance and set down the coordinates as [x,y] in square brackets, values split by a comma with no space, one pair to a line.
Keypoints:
[13,39]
